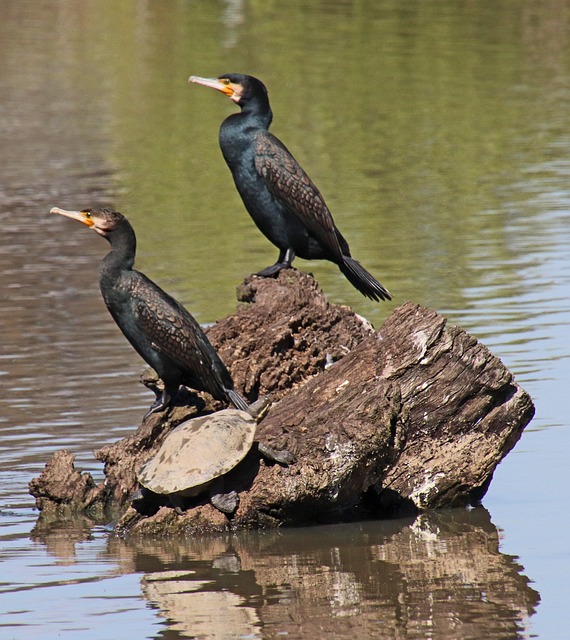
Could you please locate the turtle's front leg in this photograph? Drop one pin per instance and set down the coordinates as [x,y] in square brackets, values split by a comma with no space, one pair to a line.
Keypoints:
[276,455]
[224,501]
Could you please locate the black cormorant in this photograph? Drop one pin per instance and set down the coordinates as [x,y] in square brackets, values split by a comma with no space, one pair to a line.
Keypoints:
[160,329]
[280,197]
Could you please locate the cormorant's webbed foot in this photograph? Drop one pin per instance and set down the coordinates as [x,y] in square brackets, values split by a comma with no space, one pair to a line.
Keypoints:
[161,403]
[273,270]
[156,406]
[283,262]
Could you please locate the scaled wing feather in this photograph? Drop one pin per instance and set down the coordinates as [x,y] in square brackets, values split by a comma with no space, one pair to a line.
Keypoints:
[287,181]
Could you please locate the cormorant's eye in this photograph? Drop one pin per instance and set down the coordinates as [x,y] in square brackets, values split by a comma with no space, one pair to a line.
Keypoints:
[88,215]
[225,81]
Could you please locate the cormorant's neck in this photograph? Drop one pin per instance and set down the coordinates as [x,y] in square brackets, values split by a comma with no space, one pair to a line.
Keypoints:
[123,249]
[257,111]
[236,131]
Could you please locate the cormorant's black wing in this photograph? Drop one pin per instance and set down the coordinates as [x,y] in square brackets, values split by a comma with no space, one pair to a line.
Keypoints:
[174,332]
[287,181]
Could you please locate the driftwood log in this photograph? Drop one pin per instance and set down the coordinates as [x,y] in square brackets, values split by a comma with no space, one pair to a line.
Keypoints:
[414,416]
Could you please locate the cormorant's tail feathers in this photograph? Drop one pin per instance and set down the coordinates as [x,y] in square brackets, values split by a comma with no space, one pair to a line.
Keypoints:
[237,400]
[365,282]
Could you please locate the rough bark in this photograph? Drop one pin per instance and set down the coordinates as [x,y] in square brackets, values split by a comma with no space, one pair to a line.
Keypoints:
[417,414]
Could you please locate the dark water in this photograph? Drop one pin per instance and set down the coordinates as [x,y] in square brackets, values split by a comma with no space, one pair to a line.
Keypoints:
[438,133]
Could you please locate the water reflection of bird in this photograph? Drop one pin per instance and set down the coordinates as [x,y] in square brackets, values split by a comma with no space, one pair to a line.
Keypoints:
[280,197]
[160,329]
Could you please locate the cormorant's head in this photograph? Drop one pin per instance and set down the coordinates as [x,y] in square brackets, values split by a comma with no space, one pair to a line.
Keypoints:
[104,221]
[238,87]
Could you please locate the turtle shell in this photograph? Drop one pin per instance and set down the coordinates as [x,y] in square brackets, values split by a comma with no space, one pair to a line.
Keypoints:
[199,450]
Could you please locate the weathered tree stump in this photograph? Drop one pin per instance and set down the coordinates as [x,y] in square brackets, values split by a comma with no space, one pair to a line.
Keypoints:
[417,414]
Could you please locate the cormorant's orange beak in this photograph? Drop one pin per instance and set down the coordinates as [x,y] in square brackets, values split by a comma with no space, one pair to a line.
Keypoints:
[82,216]
[225,86]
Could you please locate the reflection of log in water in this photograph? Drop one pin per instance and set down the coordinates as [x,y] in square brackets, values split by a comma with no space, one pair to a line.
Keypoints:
[62,536]
[199,612]
[441,576]
[418,413]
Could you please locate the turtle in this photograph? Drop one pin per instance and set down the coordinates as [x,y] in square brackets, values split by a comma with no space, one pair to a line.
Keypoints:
[199,452]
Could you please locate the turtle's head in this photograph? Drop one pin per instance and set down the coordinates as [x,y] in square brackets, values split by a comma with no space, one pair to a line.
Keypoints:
[258,409]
